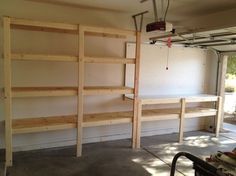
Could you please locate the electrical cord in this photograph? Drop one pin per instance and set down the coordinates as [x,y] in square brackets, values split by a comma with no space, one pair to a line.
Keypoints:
[167,8]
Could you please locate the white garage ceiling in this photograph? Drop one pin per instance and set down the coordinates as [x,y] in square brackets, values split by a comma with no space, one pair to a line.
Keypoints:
[179,9]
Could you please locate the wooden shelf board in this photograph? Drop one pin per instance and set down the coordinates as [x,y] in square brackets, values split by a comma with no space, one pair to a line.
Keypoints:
[42,124]
[100,90]
[33,25]
[200,112]
[43,57]
[168,114]
[109,31]
[107,119]
[160,114]
[20,92]
[15,22]
[32,125]
[110,60]
[67,58]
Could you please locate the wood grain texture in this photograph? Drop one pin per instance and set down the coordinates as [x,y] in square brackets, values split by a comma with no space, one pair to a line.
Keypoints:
[7,89]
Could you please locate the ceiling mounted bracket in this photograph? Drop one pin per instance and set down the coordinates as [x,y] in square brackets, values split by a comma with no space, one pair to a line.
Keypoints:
[139,29]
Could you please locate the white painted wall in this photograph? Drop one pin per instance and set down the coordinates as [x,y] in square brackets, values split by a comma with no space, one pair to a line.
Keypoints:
[188,63]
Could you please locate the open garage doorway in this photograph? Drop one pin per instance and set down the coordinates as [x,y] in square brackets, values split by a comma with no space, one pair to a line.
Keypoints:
[230,95]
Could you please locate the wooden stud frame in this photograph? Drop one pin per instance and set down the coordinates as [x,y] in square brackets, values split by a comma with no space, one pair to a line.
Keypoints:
[181,113]
[181,121]
[80,91]
[7,90]
[135,132]
[78,121]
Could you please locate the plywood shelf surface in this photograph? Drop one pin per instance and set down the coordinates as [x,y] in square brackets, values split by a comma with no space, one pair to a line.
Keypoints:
[32,125]
[20,92]
[100,90]
[41,124]
[174,113]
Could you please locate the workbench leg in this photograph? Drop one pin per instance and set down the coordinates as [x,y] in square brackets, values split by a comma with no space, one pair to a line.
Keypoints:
[181,122]
[218,116]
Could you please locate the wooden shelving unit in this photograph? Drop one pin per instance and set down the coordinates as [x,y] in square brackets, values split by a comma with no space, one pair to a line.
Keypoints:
[79,120]
[181,113]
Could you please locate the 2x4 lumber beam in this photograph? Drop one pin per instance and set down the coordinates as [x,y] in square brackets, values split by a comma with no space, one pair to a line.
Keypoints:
[111,118]
[80,98]
[42,124]
[43,57]
[33,23]
[201,99]
[20,92]
[108,31]
[218,116]
[67,58]
[136,105]
[7,90]
[181,120]
[138,125]
[101,90]
[161,101]
[109,60]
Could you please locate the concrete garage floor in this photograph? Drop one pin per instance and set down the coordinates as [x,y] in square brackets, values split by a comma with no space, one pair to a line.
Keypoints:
[117,158]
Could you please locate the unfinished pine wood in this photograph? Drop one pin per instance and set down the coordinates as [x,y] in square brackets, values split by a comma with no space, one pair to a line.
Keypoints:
[40,124]
[111,118]
[7,90]
[43,57]
[80,99]
[33,125]
[106,90]
[109,31]
[34,23]
[181,121]
[160,101]
[138,126]
[136,105]
[218,117]
[174,113]
[79,120]
[43,124]
[201,99]
[109,60]
[20,92]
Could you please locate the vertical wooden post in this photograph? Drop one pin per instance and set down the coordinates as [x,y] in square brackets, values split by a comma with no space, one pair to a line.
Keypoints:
[139,117]
[218,116]
[80,91]
[124,80]
[181,122]
[136,89]
[7,90]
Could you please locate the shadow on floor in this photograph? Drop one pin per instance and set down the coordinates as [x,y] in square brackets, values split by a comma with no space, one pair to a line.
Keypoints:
[115,158]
